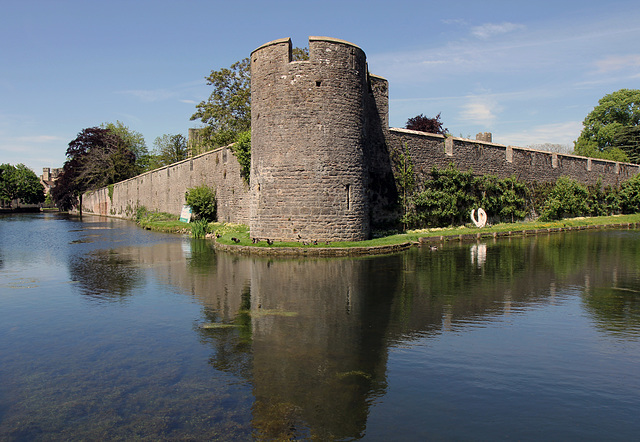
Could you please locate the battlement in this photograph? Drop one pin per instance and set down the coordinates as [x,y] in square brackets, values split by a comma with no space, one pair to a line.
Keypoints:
[280,50]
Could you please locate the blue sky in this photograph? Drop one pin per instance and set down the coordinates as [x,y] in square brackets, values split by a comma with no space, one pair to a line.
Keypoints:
[529,72]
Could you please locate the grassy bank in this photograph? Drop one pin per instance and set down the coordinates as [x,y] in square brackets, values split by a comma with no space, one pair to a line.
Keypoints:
[239,234]
[414,235]
[161,222]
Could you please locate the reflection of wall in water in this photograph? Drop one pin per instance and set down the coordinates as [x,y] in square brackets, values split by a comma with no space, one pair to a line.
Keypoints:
[463,283]
[320,330]
[215,280]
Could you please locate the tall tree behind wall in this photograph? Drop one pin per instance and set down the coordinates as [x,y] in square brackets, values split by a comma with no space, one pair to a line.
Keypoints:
[96,158]
[612,130]
[227,112]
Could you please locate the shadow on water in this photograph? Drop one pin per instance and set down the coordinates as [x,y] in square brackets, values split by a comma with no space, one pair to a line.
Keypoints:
[310,338]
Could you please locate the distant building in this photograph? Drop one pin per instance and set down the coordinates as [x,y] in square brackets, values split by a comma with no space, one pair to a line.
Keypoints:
[49,177]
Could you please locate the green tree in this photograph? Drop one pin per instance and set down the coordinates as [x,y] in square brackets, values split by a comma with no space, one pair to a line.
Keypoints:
[134,141]
[611,129]
[169,149]
[7,184]
[503,198]
[630,195]
[20,183]
[446,200]
[227,111]
[96,158]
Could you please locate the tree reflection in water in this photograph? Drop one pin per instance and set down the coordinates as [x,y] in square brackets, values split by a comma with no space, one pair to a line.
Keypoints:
[106,275]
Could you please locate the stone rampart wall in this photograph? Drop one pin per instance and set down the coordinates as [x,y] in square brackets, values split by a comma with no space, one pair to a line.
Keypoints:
[163,189]
[428,150]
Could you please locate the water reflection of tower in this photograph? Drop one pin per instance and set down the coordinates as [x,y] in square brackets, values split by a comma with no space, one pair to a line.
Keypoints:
[310,335]
[319,350]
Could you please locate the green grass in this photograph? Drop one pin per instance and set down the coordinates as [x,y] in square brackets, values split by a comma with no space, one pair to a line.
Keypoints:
[161,222]
[225,232]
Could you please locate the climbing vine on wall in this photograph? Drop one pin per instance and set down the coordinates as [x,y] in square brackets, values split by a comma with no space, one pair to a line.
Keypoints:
[446,197]
[405,179]
[242,151]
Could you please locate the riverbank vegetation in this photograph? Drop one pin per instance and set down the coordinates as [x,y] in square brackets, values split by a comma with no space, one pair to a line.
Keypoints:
[19,183]
[238,234]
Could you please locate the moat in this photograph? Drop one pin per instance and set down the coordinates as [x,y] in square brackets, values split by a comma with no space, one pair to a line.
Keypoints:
[108,331]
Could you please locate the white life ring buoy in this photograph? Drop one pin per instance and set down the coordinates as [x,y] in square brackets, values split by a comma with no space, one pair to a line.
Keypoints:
[482,218]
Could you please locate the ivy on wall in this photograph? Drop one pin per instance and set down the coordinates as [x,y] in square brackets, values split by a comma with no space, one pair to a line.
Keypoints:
[448,195]
[242,151]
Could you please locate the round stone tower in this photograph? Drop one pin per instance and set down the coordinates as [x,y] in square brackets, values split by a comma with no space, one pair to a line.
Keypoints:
[307,121]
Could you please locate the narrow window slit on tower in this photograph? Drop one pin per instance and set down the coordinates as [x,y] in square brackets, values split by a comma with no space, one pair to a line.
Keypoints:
[348,189]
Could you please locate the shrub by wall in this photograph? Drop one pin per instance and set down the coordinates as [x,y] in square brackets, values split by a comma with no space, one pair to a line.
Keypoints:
[202,200]
[449,195]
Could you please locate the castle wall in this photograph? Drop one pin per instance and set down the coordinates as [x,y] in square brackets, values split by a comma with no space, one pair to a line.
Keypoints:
[163,189]
[322,153]
[308,176]
[428,150]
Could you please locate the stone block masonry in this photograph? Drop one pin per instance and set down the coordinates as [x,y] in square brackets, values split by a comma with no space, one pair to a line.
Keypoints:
[308,175]
[321,166]
[163,189]
[483,158]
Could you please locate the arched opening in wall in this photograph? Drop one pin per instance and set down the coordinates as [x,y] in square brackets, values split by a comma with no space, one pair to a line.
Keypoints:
[318,83]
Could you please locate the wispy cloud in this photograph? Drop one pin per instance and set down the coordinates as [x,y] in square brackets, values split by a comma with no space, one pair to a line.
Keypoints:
[39,139]
[150,95]
[489,30]
[509,48]
[480,110]
[454,21]
[618,62]
[557,133]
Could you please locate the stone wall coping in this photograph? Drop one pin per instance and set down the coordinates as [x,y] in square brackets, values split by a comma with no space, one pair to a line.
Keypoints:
[486,143]
[334,40]
[417,132]
[149,172]
[272,43]
[379,77]
[311,38]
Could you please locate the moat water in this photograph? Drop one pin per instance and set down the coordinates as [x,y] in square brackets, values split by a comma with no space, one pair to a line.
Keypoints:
[111,332]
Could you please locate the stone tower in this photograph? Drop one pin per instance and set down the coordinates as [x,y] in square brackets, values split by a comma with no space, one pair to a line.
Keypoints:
[308,168]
